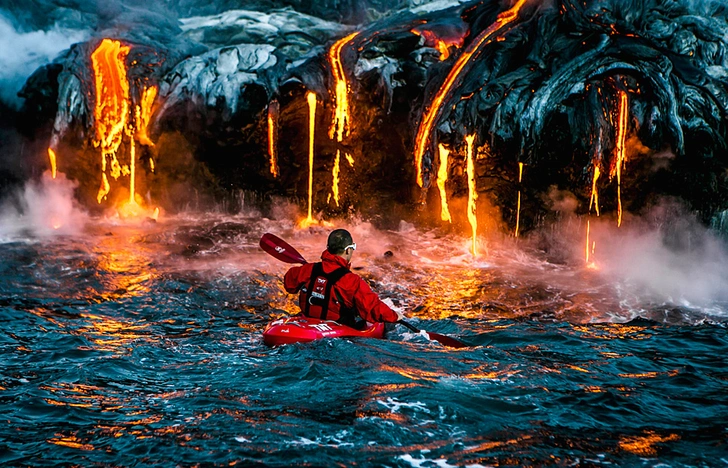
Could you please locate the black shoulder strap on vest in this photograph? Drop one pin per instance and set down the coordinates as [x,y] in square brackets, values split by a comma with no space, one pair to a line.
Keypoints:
[331,279]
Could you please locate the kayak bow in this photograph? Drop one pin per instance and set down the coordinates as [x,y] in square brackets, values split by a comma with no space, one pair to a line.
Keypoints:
[300,329]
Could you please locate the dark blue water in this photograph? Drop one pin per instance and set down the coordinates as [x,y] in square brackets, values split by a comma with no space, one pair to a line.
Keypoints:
[141,346]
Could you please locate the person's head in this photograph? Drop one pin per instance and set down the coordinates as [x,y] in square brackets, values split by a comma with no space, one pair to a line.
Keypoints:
[340,243]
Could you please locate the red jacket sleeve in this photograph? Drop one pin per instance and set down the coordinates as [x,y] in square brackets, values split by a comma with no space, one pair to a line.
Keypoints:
[297,277]
[368,304]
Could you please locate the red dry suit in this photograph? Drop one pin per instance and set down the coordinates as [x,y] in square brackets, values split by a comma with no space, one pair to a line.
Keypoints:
[348,294]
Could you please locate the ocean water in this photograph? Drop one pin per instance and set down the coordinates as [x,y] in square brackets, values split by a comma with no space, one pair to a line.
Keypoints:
[139,344]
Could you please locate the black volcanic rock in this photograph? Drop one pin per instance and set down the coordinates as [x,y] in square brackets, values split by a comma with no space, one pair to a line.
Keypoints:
[543,90]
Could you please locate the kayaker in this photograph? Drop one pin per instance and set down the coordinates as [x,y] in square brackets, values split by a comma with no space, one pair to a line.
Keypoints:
[330,291]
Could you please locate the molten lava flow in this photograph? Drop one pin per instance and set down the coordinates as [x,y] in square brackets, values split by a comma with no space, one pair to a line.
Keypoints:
[311,98]
[273,109]
[335,174]
[621,153]
[518,208]
[442,48]
[132,173]
[441,179]
[472,195]
[111,111]
[589,250]
[432,114]
[594,200]
[586,249]
[442,45]
[104,189]
[144,113]
[340,123]
[52,159]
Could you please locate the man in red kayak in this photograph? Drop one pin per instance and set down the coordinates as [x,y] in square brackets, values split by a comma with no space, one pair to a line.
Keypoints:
[330,291]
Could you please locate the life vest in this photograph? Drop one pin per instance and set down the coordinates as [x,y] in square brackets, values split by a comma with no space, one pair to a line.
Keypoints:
[319,300]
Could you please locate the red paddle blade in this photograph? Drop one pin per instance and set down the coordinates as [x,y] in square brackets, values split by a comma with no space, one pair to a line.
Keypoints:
[446,340]
[280,249]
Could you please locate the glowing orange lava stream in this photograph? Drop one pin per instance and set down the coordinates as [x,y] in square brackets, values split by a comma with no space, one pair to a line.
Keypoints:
[144,113]
[518,208]
[621,153]
[52,159]
[132,174]
[311,98]
[111,111]
[586,252]
[433,113]
[442,46]
[593,201]
[273,109]
[340,122]
[441,179]
[335,175]
[472,194]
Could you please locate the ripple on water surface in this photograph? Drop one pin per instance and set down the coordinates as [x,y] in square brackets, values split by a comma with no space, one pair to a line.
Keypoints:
[141,345]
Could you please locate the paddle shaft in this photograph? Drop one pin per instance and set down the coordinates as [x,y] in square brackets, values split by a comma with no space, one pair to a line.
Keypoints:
[410,326]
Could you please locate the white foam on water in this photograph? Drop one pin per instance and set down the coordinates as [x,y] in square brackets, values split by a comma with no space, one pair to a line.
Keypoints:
[394,405]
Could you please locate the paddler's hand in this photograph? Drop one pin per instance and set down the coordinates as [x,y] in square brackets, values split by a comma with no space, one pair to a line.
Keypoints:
[397,310]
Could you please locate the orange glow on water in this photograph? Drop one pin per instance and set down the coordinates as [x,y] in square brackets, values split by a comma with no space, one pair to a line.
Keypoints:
[311,98]
[518,208]
[621,153]
[273,109]
[441,179]
[432,114]
[645,445]
[111,111]
[71,442]
[340,124]
[52,159]
[472,194]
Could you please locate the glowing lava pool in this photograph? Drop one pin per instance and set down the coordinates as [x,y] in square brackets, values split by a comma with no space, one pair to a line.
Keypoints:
[140,345]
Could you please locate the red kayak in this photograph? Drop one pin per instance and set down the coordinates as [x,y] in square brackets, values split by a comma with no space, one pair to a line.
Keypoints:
[300,329]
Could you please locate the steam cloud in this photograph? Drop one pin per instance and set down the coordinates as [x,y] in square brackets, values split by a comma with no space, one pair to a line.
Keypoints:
[675,260]
[23,52]
[44,208]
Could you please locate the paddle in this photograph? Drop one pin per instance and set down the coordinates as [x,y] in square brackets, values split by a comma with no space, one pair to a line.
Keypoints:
[281,250]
